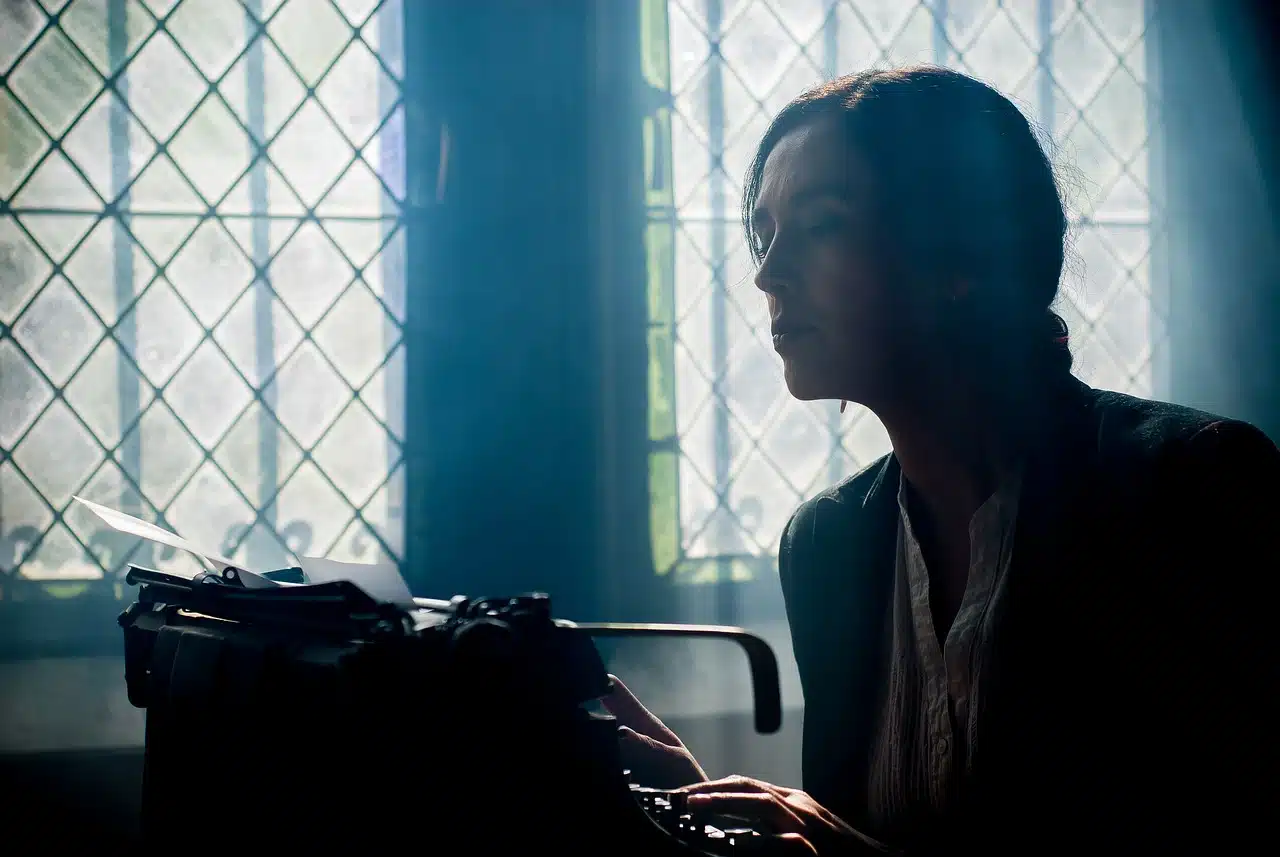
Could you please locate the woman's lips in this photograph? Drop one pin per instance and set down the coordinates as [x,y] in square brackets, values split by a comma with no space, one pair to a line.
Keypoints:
[787,339]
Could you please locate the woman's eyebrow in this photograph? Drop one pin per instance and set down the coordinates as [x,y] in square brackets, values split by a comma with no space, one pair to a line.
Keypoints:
[818,193]
[762,217]
[805,196]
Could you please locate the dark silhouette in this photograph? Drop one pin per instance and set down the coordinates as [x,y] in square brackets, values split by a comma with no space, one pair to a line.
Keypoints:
[1040,622]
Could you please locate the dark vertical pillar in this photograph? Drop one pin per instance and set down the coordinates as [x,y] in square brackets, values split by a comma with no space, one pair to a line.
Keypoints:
[502,369]
[626,585]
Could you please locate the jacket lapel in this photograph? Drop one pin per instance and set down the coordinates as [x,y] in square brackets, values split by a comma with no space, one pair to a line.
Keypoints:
[857,536]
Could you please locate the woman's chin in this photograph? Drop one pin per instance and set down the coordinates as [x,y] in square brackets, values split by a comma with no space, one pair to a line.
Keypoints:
[805,386]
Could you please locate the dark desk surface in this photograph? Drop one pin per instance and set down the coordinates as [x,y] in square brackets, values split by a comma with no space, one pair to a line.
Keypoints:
[72,798]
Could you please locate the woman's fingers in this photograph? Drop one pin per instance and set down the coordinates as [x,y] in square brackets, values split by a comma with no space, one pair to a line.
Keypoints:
[790,814]
[732,784]
[805,804]
[789,844]
[631,713]
[655,764]
[737,784]
[757,807]
[799,800]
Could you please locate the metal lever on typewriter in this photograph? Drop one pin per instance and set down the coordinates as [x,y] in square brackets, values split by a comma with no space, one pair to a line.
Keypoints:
[765,689]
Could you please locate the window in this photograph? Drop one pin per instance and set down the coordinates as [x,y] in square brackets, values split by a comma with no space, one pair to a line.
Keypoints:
[201,283]
[732,453]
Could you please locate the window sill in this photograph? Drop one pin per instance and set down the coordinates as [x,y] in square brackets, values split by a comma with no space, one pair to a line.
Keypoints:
[73,627]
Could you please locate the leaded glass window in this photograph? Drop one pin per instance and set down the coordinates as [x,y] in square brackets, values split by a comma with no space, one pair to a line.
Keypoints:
[732,453]
[201,282]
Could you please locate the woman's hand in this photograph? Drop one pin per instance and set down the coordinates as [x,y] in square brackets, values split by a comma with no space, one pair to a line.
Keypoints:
[799,823]
[656,757]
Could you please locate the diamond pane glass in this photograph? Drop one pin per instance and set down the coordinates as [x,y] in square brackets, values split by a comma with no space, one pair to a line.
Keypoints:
[201,283]
[732,453]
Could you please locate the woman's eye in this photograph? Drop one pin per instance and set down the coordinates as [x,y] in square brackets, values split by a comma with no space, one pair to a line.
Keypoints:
[824,226]
[818,228]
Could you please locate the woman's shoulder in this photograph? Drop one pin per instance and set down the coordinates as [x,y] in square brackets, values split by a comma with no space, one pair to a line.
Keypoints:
[839,521]
[1163,467]
[846,496]
[1128,428]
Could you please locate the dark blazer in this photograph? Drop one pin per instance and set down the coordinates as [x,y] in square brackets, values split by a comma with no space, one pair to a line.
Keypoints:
[1132,697]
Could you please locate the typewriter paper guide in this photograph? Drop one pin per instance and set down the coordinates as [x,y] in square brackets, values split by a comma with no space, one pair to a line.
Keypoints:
[381,582]
[144,530]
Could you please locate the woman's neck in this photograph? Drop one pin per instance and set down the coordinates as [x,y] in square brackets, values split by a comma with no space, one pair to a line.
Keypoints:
[954,447]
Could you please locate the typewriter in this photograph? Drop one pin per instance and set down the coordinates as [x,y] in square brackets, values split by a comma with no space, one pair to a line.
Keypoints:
[282,713]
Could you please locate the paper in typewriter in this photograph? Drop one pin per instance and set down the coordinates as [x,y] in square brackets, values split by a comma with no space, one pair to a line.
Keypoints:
[145,530]
[379,581]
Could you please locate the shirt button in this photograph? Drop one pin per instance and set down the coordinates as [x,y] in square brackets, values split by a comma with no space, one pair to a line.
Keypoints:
[943,745]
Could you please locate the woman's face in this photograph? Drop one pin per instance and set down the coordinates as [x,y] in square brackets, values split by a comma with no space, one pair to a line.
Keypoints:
[841,327]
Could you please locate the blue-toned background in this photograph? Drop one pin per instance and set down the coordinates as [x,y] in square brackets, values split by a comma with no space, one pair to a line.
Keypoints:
[460,286]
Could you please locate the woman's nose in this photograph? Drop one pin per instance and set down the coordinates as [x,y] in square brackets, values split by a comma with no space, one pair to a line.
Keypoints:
[771,277]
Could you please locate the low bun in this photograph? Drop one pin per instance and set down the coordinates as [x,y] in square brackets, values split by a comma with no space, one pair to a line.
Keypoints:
[1055,347]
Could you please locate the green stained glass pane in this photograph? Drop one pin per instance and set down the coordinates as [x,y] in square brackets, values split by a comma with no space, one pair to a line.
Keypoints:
[654,42]
[662,384]
[657,159]
[659,248]
[664,493]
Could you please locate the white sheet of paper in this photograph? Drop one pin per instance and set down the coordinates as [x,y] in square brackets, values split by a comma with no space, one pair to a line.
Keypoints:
[257,581]
[382,582]
[145,530]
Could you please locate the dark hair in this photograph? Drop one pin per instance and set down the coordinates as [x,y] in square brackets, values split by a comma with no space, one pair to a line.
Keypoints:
[963,190]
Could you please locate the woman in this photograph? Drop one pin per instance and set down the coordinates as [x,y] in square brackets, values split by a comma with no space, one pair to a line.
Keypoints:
[1040,620]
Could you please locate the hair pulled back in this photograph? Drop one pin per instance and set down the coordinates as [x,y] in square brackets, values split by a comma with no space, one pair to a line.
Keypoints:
[963,192]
